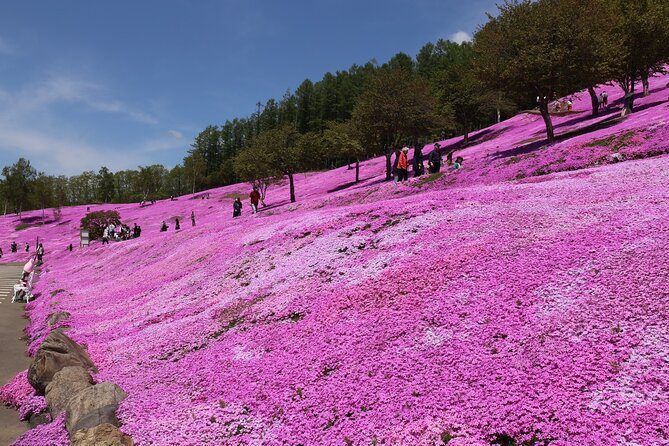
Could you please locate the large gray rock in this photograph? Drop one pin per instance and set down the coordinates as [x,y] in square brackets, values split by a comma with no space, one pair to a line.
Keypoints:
[66,384]
[93,406]
[56,317]
[56,352]
[101,435]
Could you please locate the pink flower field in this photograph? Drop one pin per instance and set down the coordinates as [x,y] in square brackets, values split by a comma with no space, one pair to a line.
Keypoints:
[521,300]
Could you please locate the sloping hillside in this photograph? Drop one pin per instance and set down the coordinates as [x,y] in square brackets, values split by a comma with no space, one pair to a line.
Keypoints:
[522,297]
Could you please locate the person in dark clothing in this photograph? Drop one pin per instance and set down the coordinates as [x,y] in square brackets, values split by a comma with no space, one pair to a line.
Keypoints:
[40,254]
[0,253]
[418,168]
[449,157]
[163,227]
[255,199]
[27,247]
[237,207]
[434,159]
[177,226]
[192,218]
[139,231]
[69,248]
[14,248]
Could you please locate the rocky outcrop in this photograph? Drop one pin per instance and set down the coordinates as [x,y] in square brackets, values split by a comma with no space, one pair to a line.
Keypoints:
[93,406]
[56,317]
[56,352]
[60,370]
[101,435]
[66,384]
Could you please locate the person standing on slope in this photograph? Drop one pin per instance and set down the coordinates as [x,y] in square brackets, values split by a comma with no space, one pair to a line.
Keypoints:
[192,218]
[40,254]
[177,226]
[236,207]
[255,199]
[434,159]
[403,165]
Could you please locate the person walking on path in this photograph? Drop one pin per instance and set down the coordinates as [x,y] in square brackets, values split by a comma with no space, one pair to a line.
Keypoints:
[177,226]
[403,165]
[192,218]
[27,247]
[434,159]
[605,99]
[255,199]
[237,207]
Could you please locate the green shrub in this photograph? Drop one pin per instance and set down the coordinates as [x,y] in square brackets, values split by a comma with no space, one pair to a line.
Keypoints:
[96,222]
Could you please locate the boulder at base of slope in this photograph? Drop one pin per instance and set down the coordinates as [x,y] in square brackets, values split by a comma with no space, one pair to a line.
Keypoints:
[56,352]
[101,435]
[93,406]
[66,384]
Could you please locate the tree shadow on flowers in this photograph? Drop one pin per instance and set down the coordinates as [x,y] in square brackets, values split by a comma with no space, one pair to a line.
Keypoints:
[532,146]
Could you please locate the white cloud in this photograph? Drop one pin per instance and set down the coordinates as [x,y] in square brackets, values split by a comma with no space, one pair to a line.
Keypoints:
[30,126]
[460,37]
[59,89]
[175,134]
[61,155]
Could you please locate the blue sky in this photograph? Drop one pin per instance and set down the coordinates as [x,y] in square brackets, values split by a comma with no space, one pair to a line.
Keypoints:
[127,83]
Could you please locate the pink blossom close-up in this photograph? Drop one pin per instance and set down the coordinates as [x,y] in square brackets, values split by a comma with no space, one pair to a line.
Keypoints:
[522,298]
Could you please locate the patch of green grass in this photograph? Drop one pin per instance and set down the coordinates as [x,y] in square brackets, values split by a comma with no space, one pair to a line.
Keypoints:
[22,226]
[428,179]
[615,142]
[56,292]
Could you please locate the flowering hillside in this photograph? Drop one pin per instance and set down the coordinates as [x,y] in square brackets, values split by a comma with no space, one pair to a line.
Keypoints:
[520,299]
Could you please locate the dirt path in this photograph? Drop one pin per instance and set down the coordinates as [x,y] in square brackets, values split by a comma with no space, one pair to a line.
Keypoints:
[13,357]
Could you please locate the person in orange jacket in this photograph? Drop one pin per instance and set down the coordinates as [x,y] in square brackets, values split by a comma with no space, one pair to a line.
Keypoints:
[403,165]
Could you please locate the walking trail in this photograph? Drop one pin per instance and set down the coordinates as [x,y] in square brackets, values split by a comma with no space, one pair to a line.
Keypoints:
[13,358]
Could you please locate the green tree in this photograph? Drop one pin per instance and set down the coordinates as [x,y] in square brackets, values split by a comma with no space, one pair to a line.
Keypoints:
[397,107]
[339,138]
[252,165]
[105,185]
[642,28]
[524,53]
[18,184]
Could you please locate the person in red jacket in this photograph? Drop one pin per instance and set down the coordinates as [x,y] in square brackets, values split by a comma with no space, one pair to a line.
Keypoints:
[255,198]
[403,165]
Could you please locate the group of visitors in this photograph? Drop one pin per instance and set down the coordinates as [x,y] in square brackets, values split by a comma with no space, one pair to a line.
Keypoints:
[563,105]
[177,224]
[603,100]
[13,247]
[434,162]
[254,198]
[124,233]
[39,253]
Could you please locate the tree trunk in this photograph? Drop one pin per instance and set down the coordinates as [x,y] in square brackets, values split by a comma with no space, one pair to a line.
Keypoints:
[389,165]
[646,85]
[594,100]
[357,170]
[349,163]
[292,188]
[628,87]
[466,140]
[543,106]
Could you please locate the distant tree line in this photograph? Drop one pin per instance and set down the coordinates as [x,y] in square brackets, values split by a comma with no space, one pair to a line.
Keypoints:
[526,56]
